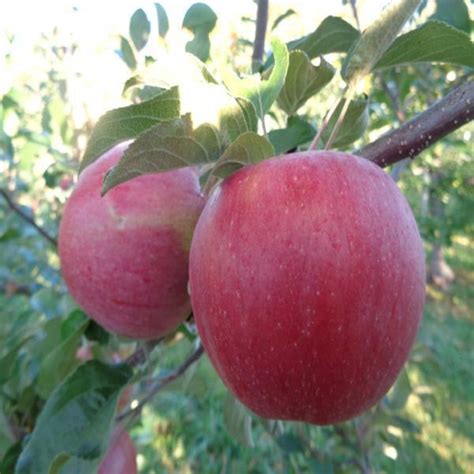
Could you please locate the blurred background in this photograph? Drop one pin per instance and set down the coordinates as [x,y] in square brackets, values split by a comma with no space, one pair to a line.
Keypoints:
[62,65]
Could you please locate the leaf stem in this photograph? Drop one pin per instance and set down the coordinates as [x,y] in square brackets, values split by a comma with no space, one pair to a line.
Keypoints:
[340,119]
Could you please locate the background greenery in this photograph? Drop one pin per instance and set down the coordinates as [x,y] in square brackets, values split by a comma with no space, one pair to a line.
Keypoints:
[424,425]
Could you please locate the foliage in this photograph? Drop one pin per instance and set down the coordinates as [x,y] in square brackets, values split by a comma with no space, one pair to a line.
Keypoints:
[194,424]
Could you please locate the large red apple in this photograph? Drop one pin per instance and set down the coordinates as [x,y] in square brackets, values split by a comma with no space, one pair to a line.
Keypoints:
[124,257]
[121,457]
[307,284]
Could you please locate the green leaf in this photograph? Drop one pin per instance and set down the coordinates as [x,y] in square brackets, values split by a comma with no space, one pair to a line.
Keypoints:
[97,333]
[282,17]
[303,81]
[9,362]
[354,123]
[200,19]
[376,39]
[333,35]
[7,464]
[237,421]
[290,443]
[163,24]
[128,122]
[139,29]
[59,362]
[434,41]
[248,148]
[76,420]
[262,92]
[453,12]
[208,137]
[165,147]
[127,54]
[297,132]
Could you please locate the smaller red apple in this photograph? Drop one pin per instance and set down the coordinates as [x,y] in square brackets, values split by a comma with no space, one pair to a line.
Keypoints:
[121,457]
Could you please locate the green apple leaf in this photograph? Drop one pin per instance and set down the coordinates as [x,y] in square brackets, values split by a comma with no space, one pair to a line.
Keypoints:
[433,41]
[303,81]
[262,92]
[333,35]
[60,361]
[127,54]
[200,19]
[209,138]
[76,421]
[453,12]
[164,147]
[128,122]
[399,393]
[163,23]
[248,148]
[376,39]
[297,132]
[354,123]
[140,28]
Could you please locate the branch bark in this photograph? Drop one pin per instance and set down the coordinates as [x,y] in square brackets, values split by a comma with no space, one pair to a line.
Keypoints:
[448,114]
[14,207]
[161,382]
[260,32]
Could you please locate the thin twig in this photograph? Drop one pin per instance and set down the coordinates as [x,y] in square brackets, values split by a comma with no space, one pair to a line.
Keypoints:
[448,114]
[14,207]
[260,31]
[161,382]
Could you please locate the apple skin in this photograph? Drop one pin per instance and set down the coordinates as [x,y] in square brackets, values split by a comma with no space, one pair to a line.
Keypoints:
[307,284]
[124,257]
[121,457]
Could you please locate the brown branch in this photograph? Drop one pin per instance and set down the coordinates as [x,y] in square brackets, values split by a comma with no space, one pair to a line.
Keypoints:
[14,207]
[161,382]
[443,117]
[260,31]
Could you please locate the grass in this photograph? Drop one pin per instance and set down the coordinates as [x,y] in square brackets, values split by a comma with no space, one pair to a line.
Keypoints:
[184,430]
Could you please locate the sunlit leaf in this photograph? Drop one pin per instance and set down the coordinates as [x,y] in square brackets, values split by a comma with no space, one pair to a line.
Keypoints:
[248,148]
[262,92]
[433,41]
[139,29]
[128,122]
[163,24]
[303,81]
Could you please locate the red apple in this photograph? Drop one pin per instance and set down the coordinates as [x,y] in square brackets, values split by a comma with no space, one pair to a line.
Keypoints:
[307,285]
[124,257]
[121,455]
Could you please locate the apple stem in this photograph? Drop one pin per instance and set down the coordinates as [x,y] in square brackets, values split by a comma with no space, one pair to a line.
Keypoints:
[325,123]
[340,119]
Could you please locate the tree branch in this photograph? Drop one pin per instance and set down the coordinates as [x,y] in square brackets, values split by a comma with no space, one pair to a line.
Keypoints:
[448,114]
[14,207]
[161,382]
[260,31]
